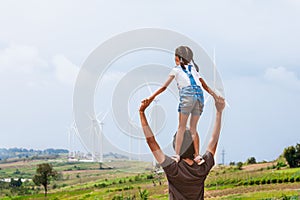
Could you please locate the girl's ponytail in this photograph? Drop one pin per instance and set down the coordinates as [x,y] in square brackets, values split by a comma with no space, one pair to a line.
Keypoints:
[196,66]
[182,63]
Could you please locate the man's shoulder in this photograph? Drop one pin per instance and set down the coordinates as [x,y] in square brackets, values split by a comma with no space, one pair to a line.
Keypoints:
[167,162]
[170,166]
[209,160]
[208,155]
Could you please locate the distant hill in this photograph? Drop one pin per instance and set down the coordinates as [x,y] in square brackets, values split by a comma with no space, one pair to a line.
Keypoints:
[115,156]
[28,153]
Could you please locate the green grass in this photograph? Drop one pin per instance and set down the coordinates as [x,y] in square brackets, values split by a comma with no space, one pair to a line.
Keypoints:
[86,181]
[269,195]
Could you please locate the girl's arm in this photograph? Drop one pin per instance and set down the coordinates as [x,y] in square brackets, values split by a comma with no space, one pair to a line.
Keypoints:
[160,90]
[205,86]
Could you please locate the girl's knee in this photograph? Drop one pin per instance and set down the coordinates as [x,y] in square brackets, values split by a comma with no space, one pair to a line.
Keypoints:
[193,131]
[181,128]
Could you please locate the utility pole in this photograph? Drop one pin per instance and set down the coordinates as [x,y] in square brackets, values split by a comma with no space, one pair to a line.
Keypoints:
[223,156]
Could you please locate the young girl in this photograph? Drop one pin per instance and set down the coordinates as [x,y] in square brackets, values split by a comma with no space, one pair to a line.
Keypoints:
[191,97]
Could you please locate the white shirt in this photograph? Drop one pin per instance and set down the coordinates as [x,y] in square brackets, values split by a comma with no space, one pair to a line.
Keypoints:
[182,78]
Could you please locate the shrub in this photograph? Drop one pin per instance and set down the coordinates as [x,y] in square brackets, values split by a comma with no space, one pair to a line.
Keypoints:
[263,181]
[274,180]
[232,163]
[292,179]
[281,164]
[118,197]
[144,194]
[102,185]
[137,178]
[239,165]
[297,179]
[128,188]
[257,182]
[150,176]
[251,182]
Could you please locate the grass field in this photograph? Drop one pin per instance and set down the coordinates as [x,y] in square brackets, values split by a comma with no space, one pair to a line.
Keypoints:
[129,179]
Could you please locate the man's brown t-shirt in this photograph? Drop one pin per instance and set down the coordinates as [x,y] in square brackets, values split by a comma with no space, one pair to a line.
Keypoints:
[186,182]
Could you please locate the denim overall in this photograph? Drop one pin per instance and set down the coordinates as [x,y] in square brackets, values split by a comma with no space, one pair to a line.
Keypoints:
[192,90]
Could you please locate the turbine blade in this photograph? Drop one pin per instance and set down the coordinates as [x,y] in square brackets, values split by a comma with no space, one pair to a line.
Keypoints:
[89,116]
[149,88]
[206,100]
[104,116]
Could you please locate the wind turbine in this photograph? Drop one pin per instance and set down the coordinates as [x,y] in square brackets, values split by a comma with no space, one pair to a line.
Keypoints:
[97,137]
[71,141]
[215,77]
[72,136]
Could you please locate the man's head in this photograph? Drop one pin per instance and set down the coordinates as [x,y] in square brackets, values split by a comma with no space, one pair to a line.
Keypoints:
[187,148]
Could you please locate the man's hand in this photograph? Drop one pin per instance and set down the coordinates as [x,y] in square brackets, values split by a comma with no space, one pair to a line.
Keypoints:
[156,151]
[220,103]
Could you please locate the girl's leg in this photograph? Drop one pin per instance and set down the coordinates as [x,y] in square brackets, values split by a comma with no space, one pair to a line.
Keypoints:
[180,132]
[193,128]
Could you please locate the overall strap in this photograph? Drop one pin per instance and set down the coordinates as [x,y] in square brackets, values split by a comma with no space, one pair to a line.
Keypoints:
[189,73]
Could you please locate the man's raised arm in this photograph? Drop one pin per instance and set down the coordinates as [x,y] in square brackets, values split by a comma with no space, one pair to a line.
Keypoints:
[212,145]
[156,151]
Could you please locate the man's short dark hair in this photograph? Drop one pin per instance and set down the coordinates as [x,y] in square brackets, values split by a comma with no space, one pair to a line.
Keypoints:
[187,148]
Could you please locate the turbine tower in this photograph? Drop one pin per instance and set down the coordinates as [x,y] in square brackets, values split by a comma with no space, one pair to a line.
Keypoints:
[71,137]
[96,131]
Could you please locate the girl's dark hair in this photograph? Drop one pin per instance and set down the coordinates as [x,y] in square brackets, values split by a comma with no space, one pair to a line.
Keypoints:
[185,54]
[187,149]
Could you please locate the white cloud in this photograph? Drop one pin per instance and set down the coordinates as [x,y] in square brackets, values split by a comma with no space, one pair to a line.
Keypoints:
[65,70]
[262,119]
[112,77]
[21,59]
[283,77]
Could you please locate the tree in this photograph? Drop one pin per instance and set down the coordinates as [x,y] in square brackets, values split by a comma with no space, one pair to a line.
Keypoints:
[251,160]
[239,165]
[44,174]
[15,184]
[232,163]
[292,155]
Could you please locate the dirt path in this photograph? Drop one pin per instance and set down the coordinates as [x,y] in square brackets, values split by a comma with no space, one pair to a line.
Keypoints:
[248,189]
[258,166]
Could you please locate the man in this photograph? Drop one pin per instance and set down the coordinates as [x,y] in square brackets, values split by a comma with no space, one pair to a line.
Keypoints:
[185,178]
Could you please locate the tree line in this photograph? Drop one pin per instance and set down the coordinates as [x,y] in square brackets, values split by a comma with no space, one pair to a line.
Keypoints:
[26,153]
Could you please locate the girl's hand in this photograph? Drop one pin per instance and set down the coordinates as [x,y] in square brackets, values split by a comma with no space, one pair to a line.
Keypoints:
[213,94]
[144,104]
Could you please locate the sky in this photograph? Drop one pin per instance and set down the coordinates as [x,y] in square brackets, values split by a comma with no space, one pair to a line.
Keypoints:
[43,45]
